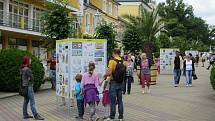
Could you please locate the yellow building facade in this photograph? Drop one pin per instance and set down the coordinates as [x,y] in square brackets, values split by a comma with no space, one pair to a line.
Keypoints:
[96,11]
[20,25]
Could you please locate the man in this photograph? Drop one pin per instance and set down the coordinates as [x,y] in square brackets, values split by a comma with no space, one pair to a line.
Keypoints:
[178,65]
[53,72]
[211,60]
[117,71]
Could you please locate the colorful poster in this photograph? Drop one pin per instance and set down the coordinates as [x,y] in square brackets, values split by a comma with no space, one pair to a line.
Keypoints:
[167,56]
[73,57]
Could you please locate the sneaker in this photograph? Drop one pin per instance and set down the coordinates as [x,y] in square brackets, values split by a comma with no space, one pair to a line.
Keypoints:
[26,117]
[38,117]
[143,92]
[108,119]
[190,85]
[176,85]
[187,85]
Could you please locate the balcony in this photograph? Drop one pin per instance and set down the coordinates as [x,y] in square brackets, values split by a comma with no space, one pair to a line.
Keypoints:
[19,22]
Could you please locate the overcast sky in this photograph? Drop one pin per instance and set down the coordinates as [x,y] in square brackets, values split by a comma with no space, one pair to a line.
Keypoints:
[202,8]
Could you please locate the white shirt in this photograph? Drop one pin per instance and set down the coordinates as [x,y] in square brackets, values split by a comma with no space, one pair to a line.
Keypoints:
[189,66]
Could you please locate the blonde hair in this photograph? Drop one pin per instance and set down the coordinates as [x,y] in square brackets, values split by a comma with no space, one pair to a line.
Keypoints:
[143,54]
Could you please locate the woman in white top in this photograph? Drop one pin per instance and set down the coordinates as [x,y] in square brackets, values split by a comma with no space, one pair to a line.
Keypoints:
[188,68]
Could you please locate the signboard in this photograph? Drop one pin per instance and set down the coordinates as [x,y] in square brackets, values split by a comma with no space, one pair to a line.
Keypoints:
[73,57]
[167,56]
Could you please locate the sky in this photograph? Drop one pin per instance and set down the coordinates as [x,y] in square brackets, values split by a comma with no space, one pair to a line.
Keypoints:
[202,8]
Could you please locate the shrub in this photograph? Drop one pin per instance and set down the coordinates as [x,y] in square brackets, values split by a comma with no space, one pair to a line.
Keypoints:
[212,77]
[10,63]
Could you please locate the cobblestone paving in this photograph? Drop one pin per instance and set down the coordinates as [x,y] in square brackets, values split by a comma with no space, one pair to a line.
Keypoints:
[164,103]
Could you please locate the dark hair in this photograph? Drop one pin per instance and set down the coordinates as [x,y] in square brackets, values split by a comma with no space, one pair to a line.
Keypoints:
[190,54]
[91,67]
[116,51]
[26,62]
[78,78]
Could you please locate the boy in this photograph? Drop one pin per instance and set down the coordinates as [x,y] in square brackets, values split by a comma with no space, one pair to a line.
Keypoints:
[79,97]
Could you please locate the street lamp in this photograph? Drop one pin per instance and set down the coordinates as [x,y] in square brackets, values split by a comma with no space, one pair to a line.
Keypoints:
[97,18]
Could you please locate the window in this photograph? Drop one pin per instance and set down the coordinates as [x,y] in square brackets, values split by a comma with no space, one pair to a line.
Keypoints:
[115,11]
[95,21]
[1,12]
[36,19]
[110,8]
[87,22]
[104,5]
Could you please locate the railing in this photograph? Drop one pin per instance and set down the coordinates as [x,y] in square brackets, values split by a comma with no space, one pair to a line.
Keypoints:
[20,22]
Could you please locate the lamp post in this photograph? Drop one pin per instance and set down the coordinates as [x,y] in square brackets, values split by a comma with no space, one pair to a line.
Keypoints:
[97,18]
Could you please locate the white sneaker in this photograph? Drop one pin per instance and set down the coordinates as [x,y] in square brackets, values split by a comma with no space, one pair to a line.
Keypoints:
[187,85]
[143,92]
[190,85]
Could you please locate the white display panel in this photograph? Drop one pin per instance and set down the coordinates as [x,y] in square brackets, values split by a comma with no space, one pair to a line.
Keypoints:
[167,56]
[73,57]
[193,52]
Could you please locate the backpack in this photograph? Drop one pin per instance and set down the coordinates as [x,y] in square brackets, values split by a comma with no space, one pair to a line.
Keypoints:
[119,73]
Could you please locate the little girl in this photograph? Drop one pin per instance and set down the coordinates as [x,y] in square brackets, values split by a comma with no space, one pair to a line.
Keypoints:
[106,99]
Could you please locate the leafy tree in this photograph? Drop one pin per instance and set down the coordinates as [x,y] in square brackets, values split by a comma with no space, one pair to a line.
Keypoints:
[183,25]
[56,22]
[107,31]
[147,25]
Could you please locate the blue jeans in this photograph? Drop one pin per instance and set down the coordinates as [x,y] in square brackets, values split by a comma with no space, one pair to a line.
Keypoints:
[115,91]
[188,77]
[177,75]
[32,102]
[53,78]
[127,83]
[80,105]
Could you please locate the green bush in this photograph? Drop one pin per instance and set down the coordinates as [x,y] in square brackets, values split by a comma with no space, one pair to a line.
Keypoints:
[10,63]
[213,76]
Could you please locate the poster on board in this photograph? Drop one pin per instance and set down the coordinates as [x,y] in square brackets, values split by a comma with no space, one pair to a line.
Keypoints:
[73,57]
[167,56]
[193,52]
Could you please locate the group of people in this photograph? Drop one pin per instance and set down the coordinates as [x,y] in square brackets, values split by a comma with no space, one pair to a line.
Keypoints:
[184,66]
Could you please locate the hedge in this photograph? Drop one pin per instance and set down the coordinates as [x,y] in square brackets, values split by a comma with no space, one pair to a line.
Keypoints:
[212,77]
[10,63]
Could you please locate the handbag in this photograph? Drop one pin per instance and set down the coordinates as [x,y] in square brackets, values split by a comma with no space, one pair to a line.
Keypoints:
[194,75]
[23,90]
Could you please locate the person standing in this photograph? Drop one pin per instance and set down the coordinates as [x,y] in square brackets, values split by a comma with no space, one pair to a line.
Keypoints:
[27,80]
[178,65]
[89,85]
[145,72]
[203,58]
[189,68]
[117,72]
[211,60]
[53,72]
[79,97]
[129,75]
[197,60]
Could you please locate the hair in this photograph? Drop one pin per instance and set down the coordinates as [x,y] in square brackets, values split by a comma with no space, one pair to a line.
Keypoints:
[26,62]
[142,55]
[91,68]
[78,78]
[116,51]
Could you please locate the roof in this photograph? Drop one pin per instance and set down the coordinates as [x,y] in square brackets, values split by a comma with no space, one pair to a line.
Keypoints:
[143,1]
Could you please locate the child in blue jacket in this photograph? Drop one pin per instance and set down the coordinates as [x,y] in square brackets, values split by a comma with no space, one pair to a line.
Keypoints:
[79,97]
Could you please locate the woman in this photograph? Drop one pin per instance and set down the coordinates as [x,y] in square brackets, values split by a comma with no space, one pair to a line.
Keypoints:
[89,84]
[129,75]
[27,80]
[189,69]
[145,72]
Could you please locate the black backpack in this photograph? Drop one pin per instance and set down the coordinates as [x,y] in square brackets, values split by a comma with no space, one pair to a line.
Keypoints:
[119,73]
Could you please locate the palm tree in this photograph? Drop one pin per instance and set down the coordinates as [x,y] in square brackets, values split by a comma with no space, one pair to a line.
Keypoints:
[147,25]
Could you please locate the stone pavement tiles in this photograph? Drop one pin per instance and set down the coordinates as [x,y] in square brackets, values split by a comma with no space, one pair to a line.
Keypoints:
[165,103]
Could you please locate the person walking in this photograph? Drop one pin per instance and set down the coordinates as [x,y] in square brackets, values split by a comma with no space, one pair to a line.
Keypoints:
[117,72]
[145,72]
[129,75]
[178,66]
[27,80]
[189,68]
[79,97]
[53,72]
[203,58]
[89,85]
[211,60]
[197,60]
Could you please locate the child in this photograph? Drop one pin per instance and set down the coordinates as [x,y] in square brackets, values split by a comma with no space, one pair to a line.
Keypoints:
[79,97]
[106,99]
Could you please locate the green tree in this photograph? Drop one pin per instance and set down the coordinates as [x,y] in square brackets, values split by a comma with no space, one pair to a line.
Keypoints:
[147,25]
[183,26]
[107,31]
[56,22]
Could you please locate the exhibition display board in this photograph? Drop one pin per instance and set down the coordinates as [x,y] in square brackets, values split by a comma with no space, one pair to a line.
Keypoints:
[73,57]
[167,56]
[193,52]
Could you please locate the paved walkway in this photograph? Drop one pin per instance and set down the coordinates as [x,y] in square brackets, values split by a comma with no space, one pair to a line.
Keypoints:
[165,103]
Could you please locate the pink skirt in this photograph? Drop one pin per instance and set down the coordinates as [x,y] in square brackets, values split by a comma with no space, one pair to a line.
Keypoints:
[106,98]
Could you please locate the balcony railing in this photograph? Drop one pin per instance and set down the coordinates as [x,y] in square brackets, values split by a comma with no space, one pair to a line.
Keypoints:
[19,22]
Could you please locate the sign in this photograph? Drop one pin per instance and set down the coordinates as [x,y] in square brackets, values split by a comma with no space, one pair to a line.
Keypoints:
[167,56]
[73,57]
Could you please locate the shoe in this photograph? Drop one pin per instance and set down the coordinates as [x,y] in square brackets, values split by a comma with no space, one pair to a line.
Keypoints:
[120,119]
[190,85]
[128,93]
[38,117]
[109,119]
[27,117]
[78,117]
[143,92]
[176,85]
[187,85]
